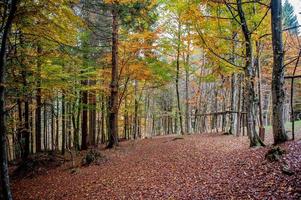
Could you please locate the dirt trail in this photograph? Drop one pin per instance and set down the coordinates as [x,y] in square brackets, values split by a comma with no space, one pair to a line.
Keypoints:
[199,166]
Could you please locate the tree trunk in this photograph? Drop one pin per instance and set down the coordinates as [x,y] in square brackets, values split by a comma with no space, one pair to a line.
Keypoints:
[258,69]
[45,130]
[250,101]
[126,118]
[20,150]
[113,104]
[76,121]
[63,124]
[239,103]
[39,103]
[52,130]
[92,115]
[233,115]
[26,129]
[3,146]
[135,109]
[103,117]
[57,123]
[26,132]
[179,113]
[187,116]
[278,95]
[85,135]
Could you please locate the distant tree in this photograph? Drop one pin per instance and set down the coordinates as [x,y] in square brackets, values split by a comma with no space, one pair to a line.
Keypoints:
[289,18]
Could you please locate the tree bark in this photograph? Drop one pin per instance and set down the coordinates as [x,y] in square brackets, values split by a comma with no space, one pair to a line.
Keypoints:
[39,103]
[84,93]
[239,103]
[258,68]
[57,123]
[45,130]
[250,101]
[26,127]
[92,115]
[233,116]
[113,104]
[278,95]
[126,118]
[76,121]
[135,109]
[63,124]
[52,130]
[3,146]
[187,109]
[179,112]
[103,117]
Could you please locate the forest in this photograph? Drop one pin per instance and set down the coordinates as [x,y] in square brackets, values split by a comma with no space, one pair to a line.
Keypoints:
[150,99]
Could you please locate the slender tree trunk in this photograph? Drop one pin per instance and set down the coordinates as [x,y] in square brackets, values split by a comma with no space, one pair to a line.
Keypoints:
[57,123]
[179,113]
[113,106]
[126,118]
[32,131]
[3,145]
[39,103]
[92,115]
[292,109]
[20,150]
[258,69]
[76,121]
[238,128]
[136,109]
[85,134]
[45,130]
[52,130]
[187,117]
[187,109]
[214,108]
[69,126]
[278,95]
[26,128]
[63,124]
[249,85]
[103,122]
[233,115]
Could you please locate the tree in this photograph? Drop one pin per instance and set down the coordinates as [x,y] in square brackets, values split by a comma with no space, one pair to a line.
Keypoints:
[129,15]
[278,95]
[7,21]
[113,102]
[290,20]
[229,19]
[250,78]
[38,101]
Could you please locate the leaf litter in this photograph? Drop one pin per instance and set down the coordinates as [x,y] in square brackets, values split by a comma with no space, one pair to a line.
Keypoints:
[200,166]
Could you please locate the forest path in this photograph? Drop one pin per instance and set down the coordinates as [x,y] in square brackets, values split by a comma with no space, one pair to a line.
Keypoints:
[202,166]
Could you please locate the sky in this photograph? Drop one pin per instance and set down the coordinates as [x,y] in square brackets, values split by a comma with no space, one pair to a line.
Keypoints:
[297,7]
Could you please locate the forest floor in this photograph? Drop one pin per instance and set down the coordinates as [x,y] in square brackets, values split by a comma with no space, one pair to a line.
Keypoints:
[200,166]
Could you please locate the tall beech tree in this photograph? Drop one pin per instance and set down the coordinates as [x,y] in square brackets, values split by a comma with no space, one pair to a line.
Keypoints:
[278,95]
[250,79]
